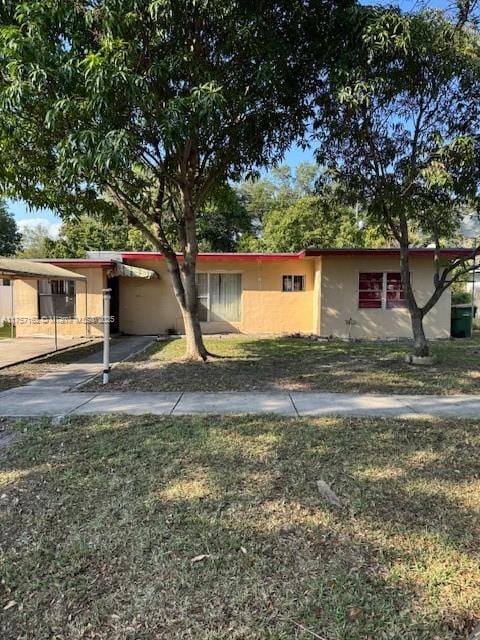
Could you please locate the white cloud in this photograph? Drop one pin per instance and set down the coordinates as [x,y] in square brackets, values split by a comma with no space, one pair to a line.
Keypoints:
[53,227]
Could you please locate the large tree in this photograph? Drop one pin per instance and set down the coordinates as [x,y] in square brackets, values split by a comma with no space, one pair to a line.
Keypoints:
[36,240]
[145,106]
[399,126]
[290,213]
[317,221]
[10,236]
[87,233]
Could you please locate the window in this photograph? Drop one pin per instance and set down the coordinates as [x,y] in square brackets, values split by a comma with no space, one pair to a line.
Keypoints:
[395,291]
[380,290]
[293,283]
[219,296]
[6,282]
[56,298]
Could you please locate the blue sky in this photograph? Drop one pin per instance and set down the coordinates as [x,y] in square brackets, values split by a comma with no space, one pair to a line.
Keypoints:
[293,158]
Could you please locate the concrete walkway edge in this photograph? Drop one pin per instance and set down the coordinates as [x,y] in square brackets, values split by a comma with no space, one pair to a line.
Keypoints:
[35,402]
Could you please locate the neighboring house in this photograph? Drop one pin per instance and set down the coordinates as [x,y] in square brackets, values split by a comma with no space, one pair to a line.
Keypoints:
[6,299]
[353,293]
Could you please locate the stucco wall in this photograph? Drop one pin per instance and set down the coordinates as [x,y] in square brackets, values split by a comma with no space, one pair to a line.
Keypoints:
[26,307]
[330,299]
[339,300]
[150,306]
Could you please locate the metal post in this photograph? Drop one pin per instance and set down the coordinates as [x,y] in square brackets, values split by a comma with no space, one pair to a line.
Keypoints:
[473,282]
[54,317]
[11,308]
[106,334]
[87,326]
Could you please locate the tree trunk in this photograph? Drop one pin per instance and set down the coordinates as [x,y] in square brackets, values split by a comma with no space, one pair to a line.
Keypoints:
[185,290]
[420,342]
[421,346]
[196,349]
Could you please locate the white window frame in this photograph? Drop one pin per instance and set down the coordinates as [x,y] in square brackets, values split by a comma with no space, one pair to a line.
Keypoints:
[294,275]
[384,291]
[207,297]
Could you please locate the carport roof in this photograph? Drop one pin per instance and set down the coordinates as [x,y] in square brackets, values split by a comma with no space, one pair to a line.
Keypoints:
[12,268]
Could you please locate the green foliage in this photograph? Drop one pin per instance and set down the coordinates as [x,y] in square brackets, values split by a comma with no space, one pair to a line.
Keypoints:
[399,122]
[279,190]
[146,106]
[461,297]
[294,215]
[36,242]
[222,221]
[87,233]
[312,221]
[10,237]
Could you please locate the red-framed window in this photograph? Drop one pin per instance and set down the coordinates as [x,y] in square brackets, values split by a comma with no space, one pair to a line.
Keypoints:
[370,290]
[380,290]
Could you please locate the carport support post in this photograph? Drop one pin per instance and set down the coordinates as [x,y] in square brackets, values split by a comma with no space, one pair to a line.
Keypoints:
[473,282]
[106,334]
[54,318]
[12,318]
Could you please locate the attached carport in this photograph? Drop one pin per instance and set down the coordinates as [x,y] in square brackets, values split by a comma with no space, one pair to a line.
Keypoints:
[14,269]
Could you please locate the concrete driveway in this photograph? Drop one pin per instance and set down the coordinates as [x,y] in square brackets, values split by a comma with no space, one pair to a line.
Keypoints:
[17,350]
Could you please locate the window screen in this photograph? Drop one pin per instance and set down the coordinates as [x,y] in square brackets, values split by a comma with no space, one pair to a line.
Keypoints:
[56,298]
[293,283]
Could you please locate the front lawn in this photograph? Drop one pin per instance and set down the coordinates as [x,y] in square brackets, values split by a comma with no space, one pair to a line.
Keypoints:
[301,365]
[122,528]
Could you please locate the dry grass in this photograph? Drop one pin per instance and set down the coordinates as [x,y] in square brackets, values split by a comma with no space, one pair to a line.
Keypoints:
[250,364]
[102,519]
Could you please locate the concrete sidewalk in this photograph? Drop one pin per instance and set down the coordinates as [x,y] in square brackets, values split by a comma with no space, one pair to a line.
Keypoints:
[32,401]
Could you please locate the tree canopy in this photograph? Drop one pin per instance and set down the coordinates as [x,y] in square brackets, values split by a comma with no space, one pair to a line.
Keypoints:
[87,233]
[35,243]
[10,236]
[293,213]
[145,106]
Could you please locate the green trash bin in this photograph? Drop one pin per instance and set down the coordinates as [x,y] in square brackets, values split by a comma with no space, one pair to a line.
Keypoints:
[462,320]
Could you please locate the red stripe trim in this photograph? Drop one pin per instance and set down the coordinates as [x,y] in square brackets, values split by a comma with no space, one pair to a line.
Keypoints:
[453,252]
[203,257]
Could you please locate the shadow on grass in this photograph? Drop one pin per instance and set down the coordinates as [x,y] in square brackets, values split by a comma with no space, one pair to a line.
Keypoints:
[104,517]
[301,365]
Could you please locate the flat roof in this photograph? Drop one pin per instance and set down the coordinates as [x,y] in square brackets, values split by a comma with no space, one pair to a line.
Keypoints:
[312,252]
[75,262]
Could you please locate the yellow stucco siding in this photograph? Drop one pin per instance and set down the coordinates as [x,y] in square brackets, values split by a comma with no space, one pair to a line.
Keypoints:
[328,306]
[339,300]
[91,305]
[149,306]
